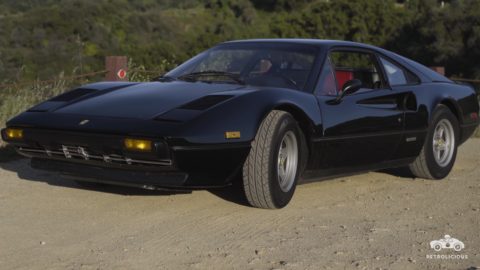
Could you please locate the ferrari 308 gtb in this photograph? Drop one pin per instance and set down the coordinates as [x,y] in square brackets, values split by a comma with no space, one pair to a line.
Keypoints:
[273,113]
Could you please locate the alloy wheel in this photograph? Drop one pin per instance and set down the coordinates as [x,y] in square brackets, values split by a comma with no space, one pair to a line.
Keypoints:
[287,161]
[443,142]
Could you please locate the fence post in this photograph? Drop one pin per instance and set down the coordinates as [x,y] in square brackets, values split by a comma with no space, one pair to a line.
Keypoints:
[116,64]
[440,70]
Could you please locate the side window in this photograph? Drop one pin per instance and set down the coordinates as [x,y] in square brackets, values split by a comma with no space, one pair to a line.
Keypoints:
[395,74]
[355,65]
[281,66]
[326,84]
[412,78]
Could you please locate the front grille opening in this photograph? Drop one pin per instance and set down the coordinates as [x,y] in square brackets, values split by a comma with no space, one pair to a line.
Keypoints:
[83,153]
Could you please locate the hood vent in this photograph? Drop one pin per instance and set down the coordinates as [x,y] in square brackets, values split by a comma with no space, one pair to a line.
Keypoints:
[204,103]
[61,100]
[73,94]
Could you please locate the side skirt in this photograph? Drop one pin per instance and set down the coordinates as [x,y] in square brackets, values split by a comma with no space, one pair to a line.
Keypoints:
[322,175]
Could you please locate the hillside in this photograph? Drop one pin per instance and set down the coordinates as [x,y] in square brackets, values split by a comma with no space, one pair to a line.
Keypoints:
[49,36]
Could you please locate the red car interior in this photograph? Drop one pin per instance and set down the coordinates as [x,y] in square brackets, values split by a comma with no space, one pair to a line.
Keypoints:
[342,78]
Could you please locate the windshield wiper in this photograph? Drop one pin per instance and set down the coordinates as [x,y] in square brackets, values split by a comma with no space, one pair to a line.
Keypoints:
[232,76]
[163,79]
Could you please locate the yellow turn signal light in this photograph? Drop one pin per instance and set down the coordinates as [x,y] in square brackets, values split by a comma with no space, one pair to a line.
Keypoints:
[14,133]
[232,134]
[138,144]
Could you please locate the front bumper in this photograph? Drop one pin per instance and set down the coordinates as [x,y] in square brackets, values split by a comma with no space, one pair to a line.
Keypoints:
[103,156]
[164,179]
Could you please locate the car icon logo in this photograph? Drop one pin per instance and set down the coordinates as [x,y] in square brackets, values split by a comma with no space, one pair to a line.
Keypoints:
[447,242]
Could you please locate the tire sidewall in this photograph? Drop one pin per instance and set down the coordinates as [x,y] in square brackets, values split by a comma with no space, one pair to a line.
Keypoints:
[286,123]
[438,172]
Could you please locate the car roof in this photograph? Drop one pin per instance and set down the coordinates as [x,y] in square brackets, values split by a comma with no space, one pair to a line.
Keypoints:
[323,43]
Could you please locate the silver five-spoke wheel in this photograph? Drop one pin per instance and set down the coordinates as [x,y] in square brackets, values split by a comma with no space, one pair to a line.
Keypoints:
[272,168]
[287,161]
[439,151]
[443,142]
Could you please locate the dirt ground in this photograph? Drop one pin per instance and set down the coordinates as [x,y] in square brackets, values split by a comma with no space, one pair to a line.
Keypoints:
[380,220]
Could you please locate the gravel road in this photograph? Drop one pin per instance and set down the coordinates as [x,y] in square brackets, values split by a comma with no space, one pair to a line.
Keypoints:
[379,220]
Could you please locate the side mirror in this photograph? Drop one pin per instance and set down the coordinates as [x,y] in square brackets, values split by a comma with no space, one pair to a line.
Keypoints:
[349,88]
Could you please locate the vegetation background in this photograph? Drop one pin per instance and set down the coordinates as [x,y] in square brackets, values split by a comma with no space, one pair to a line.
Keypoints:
[46,37]
[43,39]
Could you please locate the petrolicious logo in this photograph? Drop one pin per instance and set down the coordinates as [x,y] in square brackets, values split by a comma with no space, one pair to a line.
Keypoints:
[447,243]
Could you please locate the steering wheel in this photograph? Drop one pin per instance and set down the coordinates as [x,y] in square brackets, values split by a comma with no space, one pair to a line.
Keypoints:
[287,80]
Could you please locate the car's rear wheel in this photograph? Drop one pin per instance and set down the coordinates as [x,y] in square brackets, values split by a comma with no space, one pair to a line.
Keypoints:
[437,247]
[440,149]
[271,170]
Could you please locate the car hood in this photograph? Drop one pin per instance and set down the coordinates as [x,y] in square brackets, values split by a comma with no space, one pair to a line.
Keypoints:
[139,101]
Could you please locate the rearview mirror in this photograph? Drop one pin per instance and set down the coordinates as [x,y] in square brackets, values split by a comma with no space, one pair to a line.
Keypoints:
[349,88]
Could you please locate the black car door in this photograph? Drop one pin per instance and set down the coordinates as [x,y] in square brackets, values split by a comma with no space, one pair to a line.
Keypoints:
[407,85]
[364,128]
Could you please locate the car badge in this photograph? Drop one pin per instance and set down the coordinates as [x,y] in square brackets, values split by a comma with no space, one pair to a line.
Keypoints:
[83,122]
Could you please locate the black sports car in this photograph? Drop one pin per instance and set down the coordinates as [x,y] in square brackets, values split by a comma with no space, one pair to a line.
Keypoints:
[277,112]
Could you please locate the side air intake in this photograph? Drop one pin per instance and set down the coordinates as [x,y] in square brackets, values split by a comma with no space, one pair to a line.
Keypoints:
[204,103]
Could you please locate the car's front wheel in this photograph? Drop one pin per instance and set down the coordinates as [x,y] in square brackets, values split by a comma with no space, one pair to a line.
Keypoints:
[271,170]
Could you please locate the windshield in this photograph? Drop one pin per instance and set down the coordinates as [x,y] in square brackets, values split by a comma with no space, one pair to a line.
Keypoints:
[257,64]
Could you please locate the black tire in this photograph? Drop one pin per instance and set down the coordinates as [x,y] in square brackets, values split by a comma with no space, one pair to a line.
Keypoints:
[426,166]
[89,184]
[261,169]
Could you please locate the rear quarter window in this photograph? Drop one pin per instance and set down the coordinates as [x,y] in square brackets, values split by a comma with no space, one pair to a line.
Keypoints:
[431,74]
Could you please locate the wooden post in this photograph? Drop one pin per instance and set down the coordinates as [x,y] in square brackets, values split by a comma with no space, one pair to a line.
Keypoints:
[440,70]
[116,64]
